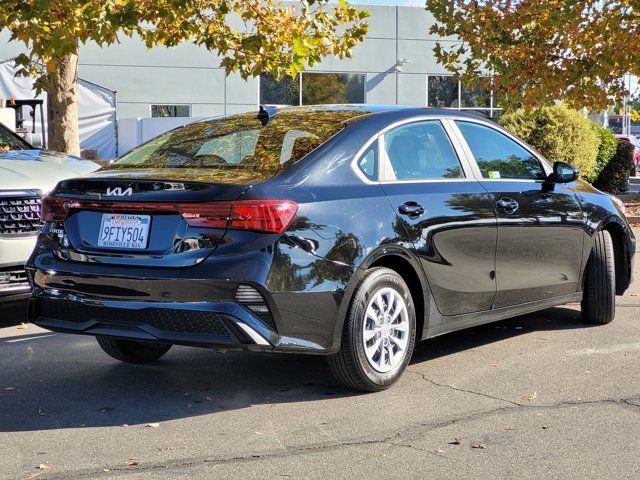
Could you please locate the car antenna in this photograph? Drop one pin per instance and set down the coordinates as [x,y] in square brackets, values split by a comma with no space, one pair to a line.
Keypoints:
[263,115]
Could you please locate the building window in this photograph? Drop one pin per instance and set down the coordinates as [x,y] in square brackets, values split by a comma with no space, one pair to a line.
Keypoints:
[279,92]
[442,91]
[477,97]
[312,88]
[324,88]
[170,111]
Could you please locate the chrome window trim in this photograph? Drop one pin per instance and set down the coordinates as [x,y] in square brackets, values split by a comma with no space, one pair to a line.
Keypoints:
[384,164]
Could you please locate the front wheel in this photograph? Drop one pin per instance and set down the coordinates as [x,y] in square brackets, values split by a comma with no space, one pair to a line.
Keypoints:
[132,351]
[599,295]
[379,333]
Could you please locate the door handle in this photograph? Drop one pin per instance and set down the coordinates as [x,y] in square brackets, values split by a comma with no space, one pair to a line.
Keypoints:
[411,209]
[508,204]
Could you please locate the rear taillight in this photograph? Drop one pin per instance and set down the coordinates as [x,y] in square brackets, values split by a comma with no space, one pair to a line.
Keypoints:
[54,209]
[271,216]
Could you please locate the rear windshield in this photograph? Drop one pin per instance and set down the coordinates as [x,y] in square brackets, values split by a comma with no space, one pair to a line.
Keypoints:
[9,141]
[239,147]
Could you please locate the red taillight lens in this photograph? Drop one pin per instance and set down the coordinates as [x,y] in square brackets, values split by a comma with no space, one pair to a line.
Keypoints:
[54,209]
[273,216]
[211,215]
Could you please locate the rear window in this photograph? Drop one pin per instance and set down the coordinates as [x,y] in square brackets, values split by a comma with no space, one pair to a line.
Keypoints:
[240,147]
[9,141]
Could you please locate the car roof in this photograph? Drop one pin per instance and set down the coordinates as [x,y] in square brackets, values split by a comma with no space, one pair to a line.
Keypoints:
[368,109]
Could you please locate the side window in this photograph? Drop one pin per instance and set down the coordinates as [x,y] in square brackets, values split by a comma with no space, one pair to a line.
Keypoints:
[368,162]
[498,156]
[421,151]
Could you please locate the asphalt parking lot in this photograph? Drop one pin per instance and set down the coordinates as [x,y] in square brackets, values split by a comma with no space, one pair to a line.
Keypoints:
[539,396]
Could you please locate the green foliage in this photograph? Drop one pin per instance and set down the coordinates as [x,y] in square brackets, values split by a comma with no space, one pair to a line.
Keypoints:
[614,178]
[559,134]
[606,150]
[275,37]
[539,52]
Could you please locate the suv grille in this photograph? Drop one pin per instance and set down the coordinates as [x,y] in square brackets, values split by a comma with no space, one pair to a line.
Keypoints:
[12,277]
[20,215]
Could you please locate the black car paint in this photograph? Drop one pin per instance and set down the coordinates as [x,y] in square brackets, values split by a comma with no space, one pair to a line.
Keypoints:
[456,249]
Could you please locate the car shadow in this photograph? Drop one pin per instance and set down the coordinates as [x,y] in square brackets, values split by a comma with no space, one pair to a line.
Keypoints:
[61,381]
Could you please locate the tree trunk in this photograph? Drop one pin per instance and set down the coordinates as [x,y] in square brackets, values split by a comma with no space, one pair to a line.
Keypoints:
[62,107]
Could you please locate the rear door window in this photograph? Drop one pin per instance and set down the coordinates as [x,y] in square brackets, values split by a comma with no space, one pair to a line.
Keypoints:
[498,156]
[421,151]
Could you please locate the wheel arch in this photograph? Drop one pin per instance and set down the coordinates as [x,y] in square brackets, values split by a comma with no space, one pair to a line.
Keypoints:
[621,255]
[407,266]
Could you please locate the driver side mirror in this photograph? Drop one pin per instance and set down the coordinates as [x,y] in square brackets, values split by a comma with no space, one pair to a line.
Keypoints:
[563,173]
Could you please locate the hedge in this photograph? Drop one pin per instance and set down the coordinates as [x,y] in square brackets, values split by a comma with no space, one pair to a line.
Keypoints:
[560,134]
[614,178]
[606,150]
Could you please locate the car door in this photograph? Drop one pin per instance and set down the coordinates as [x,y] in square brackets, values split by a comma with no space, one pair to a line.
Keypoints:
[540,235]
[445,212]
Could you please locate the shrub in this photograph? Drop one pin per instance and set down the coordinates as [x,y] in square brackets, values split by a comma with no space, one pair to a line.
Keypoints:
[614,178]
[606,150]
[558,133]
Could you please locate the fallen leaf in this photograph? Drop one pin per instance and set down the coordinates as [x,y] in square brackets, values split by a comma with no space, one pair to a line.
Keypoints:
[455,441]
[41,412]
[532,397]
[124,425]
[544,427]
[508,428]
[42,466]
[133,461]
[439,450]
[187,394]
[210,399]
[9,389]
[481,446]
[635,294]
[23,326]
[106,469]
[153,425]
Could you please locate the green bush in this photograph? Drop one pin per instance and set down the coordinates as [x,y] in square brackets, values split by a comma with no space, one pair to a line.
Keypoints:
[614,178]
[558,133]
[606,150]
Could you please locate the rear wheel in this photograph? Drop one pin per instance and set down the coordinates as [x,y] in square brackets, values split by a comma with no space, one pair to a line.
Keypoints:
[598,299]
[379,333]
[132,351]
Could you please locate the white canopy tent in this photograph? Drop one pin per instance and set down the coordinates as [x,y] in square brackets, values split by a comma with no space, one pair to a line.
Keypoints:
[96,109]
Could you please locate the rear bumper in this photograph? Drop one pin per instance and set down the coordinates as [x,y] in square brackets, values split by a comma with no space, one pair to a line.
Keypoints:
[222,325]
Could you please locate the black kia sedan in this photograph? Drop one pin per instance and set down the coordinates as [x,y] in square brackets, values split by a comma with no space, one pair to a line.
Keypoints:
[347,231]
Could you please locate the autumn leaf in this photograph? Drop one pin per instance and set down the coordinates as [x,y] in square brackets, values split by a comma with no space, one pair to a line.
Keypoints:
[153,425]
[455,441]
[481,446]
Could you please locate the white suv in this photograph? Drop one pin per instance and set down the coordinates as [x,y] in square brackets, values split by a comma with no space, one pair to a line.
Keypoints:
[26,174]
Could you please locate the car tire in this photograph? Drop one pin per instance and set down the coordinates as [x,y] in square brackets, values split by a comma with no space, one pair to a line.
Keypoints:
[132,351]
[599,292]
[355,365]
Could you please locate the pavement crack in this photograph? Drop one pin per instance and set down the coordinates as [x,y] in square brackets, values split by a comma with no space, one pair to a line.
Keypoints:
[463,390]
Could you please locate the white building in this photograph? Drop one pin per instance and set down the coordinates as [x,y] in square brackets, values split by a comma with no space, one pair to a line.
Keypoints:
[394,65]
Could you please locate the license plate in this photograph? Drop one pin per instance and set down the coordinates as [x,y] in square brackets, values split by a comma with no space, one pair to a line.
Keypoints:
[124,231]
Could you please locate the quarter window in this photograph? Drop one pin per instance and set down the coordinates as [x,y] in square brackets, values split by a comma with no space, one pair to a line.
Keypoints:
[498,156]
[368,162]
[421,151]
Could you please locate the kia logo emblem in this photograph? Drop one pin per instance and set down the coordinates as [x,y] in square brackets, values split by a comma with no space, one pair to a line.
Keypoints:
[118,192]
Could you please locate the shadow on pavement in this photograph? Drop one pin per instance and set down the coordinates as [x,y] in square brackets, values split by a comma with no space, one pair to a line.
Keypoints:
[62,381]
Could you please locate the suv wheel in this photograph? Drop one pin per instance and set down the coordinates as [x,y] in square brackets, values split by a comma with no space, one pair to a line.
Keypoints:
[599,293]
[379,333]
[132,351]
